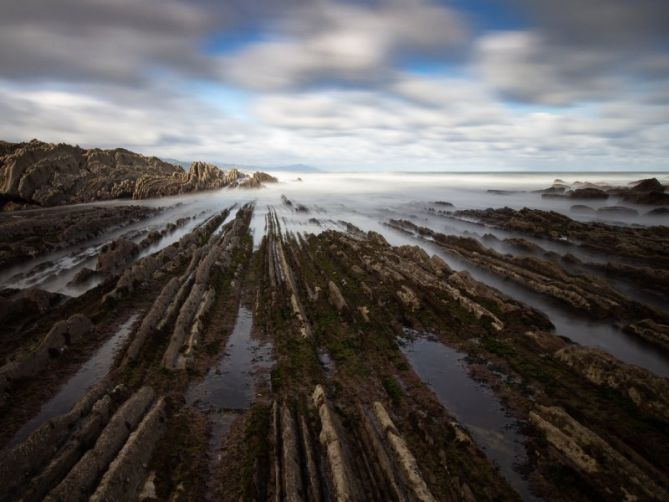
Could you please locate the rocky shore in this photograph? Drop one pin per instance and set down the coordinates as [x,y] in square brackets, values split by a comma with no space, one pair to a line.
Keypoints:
[38,174]
[339,411]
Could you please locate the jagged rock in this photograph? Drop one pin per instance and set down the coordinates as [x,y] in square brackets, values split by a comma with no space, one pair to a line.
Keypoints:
[336,298]
[256,180]
[405,458]
[17,464]
[127,471]
[50,175]
[595,458]
[649,392]
[116,256]
[442,203]
[21,305]
[55,343]
[647,185]
[649,244]
[588,193]
[409,298]
[290,462]
[67,456]
[83,276]
[339,470]
[24,236]
[658,211]
[523,245]
[650,330]
[93,464]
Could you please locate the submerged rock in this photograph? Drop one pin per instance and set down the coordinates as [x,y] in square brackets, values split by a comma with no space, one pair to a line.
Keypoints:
[580,208]
[618,211]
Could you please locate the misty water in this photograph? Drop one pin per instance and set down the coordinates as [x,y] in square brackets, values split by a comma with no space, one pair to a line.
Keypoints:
[368,201]
[89,374]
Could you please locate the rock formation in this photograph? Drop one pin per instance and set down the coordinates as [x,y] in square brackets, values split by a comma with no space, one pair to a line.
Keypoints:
[45,174]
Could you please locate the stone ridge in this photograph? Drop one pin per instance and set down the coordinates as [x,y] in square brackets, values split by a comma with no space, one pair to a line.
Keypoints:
[47,174]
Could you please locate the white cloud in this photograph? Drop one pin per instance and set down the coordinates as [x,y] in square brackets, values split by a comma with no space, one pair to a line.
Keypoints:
[335,42]
[328,84]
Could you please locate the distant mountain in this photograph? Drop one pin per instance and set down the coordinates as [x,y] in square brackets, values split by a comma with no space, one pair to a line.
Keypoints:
[298,168]
[178,162]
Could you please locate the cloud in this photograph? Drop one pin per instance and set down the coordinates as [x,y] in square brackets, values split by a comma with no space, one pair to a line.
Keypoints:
[340,83]
[332,42]
[524,67]
[614,25]
[577,52]
[112,41]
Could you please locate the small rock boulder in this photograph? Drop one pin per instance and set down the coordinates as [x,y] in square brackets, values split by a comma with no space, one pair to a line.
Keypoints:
[588,193]
[336,298]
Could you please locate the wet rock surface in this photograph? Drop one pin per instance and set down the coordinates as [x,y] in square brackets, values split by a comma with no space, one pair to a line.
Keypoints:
[646,192]
[28,235]
[365,425]
[640,244]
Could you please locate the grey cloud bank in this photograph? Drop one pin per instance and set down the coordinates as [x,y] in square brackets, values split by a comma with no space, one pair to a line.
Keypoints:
[345,85]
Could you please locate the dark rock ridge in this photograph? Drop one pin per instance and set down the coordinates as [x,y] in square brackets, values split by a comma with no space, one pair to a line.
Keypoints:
[367,427]
[47,174]
[646,245]
[26,235]
[649,191]
[582,293]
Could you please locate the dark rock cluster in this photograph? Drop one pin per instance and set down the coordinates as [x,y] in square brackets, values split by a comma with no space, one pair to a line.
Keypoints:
[45,174]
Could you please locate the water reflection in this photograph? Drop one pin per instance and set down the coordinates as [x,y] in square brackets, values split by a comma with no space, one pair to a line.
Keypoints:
[90,373]
[475,406]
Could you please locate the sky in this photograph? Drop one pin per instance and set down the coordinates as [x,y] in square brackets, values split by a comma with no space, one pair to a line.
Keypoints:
[538,85]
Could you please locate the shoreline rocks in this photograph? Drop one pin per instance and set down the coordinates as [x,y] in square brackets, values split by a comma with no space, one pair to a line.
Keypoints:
[45,174]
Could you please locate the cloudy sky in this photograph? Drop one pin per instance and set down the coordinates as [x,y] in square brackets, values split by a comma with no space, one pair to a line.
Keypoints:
[350,85]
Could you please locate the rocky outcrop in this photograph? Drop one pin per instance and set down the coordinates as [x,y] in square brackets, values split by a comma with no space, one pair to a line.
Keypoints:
[55,174]
[647,185]
[105,441]
[649,392]
[405,459]
[336,298]
[193,305]
[643,244]
[19,463]
[127,471]
[588,193]
[339,472]
[116,256]
[18,306]
[598,462]
[26,236]
[53,345]
[649,191]
[650,330]
[82,478]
